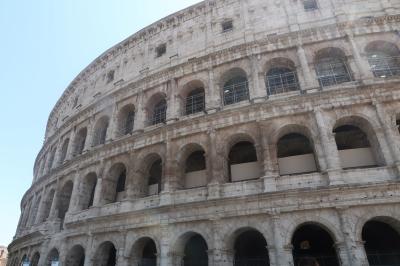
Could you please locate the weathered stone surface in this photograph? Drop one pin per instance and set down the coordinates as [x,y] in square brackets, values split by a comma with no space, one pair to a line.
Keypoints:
[76,205]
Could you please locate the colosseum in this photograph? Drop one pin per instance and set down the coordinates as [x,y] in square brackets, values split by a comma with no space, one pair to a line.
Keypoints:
[233,132]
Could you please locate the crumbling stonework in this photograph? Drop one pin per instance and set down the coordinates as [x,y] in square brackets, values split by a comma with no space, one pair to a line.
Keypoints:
[274,121]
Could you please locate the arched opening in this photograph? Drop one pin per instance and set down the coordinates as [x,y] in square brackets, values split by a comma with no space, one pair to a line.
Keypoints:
[251,249]
[195,170]
[195,251]
[195,101]
[144,252]
[35,210]
[47,206]
[114,185]
[53,259]
[281,77]
[64,150]
[354,147]
[87,191]
[154,177]
[106,255]
[76,256]
[51,158]
[126,119]
[382,243]
[100,131]
[80,140]
[243,163]
[64,199]
[383,58]
[25,261]
[331,67]
[35,259]
[295,155]
[159,112]
[398,123]
[235,87]
[313,246]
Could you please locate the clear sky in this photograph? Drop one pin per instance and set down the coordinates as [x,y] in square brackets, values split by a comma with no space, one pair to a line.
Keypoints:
[44,44]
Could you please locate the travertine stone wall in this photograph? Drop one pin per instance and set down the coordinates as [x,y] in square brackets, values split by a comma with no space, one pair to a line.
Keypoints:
[266,34]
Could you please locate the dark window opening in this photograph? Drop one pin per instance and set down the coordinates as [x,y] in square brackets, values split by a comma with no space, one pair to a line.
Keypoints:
[310,5]
[294,144]
[149,257]
[101,133]
[195,102]
[80,141]
[398,125]
[382,244]
[227,26]
[155,174]
[64,150]
[251,249]
[312,245]
[121,181]
[64,201]
[236,90]
[242,152]
[196,252]
[350,137]
[110,76]
[332,71]
[159,113]
[195,162]
[129,122]
[161,50]
[281,80]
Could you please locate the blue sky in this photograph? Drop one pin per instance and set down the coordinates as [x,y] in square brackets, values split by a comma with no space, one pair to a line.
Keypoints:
[44,44]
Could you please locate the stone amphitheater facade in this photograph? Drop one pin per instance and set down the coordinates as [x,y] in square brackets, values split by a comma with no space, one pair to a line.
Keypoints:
[233,132]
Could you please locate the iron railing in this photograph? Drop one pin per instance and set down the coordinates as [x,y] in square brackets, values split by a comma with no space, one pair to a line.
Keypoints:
[159,115]
[384,259]
[236,93]
[332,73]
[384,66]
[282,83]
[194,104]
[251,262]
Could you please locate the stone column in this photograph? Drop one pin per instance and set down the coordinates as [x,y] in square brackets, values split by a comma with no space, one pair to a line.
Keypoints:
[364,71]
[216,166]
[355,250]
[213,101]
[70,150]
[89,135]
[283,253]
[112,126]
[172,102]
[53,209]
[330,149]
[99,187]
[140,118]
[222,256]
[89,252]
[40,208]
[73,206]
[270,175]
[257,91]
[389,131]
[310,78]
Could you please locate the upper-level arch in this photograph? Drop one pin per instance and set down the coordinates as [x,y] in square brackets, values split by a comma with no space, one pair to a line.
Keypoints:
[281,76]
[234,86]
[383,58]
[192,97]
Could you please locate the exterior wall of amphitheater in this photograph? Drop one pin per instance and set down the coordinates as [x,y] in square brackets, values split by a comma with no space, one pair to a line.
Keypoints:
[265,33]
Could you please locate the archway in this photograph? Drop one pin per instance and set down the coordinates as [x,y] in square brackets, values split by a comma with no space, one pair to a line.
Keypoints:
[35,259]
[144,252]
[80,141]
[354,147]
[106,255]
[100,131]
[76,256]
[126,119]
[313,246]
[53,259]
[235,86]
[382,243]
[251,249]
[383,58]
[195,251]
[64,199]
[295,155]
[154,177]
[87,191]
[114,184]
[243,162]
[195,170]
